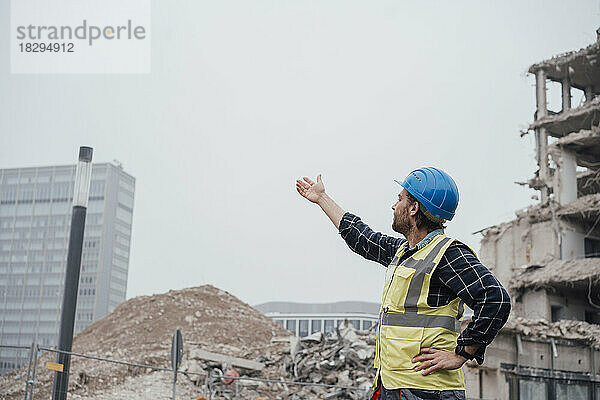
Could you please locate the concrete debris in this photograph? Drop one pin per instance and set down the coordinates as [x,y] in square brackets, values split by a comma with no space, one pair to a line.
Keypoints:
[223,333]
[199,354]
[556,272]
[343,357]
[538,212]
[316,337]
[567,58]
[564,329]
[588,182]
[571,120]
[585,143]
[294,345]
[581,138]
[584,207]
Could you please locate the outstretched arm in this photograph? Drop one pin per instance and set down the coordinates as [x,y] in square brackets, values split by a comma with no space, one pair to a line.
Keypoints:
[315,193]
[374,246]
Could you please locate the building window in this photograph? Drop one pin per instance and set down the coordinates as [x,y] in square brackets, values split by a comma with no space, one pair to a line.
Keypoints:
[42,193]
[97,189]
[290,325]
[279,321]
[329,326]
[556,313]
[303,327]
[592,247]
[592,317]
[572,391]
[315,326]
[355,323]
[532,390]
[366,324]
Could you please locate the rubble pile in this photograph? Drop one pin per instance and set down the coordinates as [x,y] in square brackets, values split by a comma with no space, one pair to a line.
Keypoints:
[221,334]
[342,358]
[564,329]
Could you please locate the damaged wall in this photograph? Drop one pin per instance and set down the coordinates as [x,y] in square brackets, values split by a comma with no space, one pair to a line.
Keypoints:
[538,304]
[572,241]
[535,304]
[513,356]
[517,243]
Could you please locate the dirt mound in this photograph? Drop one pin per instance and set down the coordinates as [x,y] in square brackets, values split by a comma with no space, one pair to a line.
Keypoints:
[205,315]
[140,331]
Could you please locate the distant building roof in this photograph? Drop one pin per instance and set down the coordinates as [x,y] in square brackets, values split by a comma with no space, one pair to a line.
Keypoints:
[317,308]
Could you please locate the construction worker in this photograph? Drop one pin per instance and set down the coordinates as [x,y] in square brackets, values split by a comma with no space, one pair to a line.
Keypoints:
[420,349]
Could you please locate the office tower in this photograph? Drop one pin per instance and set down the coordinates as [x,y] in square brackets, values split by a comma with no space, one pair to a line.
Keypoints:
[35,217]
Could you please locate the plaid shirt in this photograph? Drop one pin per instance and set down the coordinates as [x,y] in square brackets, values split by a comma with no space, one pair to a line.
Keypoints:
[459,274]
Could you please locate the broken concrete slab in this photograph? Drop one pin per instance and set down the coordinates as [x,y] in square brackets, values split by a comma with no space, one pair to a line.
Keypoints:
[200,354]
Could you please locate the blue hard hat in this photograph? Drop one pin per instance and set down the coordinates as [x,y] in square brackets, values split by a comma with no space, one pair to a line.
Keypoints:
[435,190]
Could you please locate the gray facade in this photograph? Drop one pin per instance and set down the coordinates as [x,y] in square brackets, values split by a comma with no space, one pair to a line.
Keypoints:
[35,218]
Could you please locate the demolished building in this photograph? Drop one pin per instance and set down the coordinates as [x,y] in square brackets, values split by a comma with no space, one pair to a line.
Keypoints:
[549,255]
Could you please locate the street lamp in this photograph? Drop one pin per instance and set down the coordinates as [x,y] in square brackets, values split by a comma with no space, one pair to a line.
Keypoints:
[67,316]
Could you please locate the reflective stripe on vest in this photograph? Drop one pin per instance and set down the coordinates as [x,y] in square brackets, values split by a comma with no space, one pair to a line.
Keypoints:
[408,323]
[426,321]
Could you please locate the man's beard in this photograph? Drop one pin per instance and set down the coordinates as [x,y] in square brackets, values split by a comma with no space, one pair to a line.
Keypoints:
[402,223]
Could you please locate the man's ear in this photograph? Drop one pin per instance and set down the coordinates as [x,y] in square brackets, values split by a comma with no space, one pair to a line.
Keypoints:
[414,208]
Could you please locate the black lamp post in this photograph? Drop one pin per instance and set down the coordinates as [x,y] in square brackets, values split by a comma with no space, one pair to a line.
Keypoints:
[67,316]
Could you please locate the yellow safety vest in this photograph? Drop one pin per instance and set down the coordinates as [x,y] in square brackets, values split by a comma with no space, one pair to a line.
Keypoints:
[407,323]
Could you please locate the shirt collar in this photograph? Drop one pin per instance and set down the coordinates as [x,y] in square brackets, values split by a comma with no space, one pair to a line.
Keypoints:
[426,240]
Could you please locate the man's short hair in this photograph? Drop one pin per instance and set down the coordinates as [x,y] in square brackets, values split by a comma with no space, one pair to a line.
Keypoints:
[421,218]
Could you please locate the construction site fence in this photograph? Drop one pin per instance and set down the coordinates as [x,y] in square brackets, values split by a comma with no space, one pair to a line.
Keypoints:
[214,381]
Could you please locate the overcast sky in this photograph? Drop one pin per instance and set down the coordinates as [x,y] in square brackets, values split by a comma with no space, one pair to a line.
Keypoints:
[246,96]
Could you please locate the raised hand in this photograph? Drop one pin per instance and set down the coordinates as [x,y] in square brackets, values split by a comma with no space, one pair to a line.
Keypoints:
[310,190]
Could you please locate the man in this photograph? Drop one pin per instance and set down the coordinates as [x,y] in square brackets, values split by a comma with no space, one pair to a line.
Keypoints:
[419,351]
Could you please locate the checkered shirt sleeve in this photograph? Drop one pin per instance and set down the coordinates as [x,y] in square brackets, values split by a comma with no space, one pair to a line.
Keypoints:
[362,240]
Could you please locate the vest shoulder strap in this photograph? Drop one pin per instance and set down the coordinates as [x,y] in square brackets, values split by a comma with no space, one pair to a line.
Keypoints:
[445,248]
[399,254]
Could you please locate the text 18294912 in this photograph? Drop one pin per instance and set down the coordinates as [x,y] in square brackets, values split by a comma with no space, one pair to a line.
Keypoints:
[42,47]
